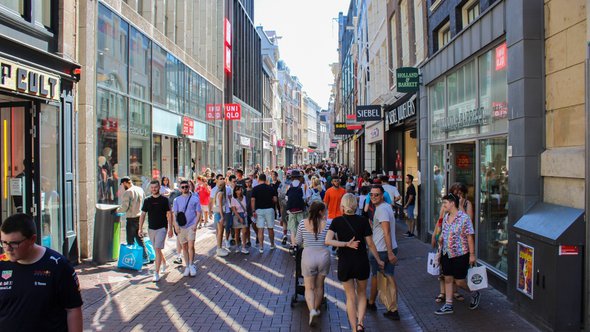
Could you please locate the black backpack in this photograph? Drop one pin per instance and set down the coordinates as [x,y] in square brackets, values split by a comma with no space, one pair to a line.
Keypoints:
[295,202]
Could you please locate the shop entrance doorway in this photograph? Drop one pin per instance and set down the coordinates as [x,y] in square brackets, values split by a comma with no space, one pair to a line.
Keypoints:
[462,162]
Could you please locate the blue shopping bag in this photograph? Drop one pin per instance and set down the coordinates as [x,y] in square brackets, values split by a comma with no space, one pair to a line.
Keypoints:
[149,247]
[130,257]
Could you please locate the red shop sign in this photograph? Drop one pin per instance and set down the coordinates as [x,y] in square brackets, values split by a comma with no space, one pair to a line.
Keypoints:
[214,112]
[568,250]
[188,126]
[233,111]
[501,56]
[463,161]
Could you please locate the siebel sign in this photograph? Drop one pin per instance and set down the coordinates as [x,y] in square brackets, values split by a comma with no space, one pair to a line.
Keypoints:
[368,113]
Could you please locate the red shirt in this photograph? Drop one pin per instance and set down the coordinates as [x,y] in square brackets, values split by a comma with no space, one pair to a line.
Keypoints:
[332,199]
[204,191]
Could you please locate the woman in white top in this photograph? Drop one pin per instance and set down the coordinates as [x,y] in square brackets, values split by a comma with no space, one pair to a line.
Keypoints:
[238,207]
[315,259]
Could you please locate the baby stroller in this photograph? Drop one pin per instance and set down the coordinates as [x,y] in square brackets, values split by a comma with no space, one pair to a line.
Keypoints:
[299,283]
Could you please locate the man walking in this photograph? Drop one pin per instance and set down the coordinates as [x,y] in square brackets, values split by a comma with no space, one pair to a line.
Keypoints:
[332,199]
[131,205]
[295,204]
[187,211]
[159,223]
[263,201]
[384,238]
[39,289]
[410,204]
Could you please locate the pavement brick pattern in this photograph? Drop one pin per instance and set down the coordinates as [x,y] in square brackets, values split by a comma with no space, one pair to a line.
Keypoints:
[253,293]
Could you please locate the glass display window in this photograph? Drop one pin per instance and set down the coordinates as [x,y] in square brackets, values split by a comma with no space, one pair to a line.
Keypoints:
[493,90]
[112,50]
[139,142]
[140,59]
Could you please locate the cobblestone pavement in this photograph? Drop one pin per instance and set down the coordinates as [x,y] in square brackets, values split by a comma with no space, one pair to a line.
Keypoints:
[253,293]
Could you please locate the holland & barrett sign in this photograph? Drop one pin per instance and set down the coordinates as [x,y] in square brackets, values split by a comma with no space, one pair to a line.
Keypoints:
[408,79]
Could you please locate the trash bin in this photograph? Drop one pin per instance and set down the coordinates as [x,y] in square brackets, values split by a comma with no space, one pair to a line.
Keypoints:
[549,266]
[107,230]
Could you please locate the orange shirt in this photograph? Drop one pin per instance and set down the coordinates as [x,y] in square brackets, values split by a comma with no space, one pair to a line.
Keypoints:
[332,200]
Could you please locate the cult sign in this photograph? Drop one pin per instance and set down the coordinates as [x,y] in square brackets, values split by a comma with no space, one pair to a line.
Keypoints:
[24,79]
[233,111]
[407,79]
[368,113]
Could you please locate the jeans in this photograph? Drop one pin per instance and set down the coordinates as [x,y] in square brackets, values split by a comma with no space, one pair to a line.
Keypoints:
[131,231]
[229,222]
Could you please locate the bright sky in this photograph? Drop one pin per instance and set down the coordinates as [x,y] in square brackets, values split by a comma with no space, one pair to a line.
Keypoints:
[309,39]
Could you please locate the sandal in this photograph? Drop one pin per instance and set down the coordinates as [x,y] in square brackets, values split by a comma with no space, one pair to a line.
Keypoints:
[458,297]
[360,328]
[440,298]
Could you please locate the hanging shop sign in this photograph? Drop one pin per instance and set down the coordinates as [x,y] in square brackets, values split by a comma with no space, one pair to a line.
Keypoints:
[368,113]
[227,47]
[341,128]
[233,111]
[351,123]
[266,145]
[374,134]
[24,79]
[501,56]
[214,112]
[188,126]
[404,111]
[245,141]
[460,120]
[408,79]
[281,143]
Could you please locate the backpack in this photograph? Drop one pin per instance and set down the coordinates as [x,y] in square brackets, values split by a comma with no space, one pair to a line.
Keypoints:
[315,196]
[295,202]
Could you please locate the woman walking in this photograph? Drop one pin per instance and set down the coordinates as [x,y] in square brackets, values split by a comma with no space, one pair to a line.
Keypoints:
[238,206]
[204,192]
[355,234]
[315,259]
[458,252]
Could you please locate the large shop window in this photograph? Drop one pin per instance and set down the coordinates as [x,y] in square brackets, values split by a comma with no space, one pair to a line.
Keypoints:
[112,50]
[51,229]
[112,145]
[139,141]
[139,62]
[159,85]
[476,98]
[438,186]
[493,214]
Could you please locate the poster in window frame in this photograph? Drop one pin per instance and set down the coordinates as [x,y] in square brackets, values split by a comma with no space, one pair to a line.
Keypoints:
[525,269]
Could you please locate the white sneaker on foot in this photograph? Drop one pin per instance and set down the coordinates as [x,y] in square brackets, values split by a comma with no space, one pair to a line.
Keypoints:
[273,247]
[221,252]
[156,277]
[261,249]
[312,315]
[245,251]
[193,270]
[163,268]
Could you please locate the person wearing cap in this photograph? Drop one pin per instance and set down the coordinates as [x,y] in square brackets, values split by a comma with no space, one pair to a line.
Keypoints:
[131,206]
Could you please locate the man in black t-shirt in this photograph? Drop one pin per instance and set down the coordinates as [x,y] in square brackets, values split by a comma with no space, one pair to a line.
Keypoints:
[263,200]
[159,220]
[410,204]
[39,289]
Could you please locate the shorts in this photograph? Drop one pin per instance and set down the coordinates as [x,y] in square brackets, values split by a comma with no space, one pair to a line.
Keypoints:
[158,237]
[389,268]
[410,211]
[314,261]
[186,234]
[293,221]
[265,218]
[237,224]
[204,208]
[216,217]
[353,267]
[456,267]
[229,221]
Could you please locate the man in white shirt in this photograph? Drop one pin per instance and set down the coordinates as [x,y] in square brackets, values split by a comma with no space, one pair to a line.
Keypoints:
[391,190]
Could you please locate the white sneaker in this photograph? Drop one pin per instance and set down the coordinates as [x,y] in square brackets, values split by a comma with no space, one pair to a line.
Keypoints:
[221,252]
[261,249]
[163,268]
[273,247]
[312,315]
[156,277]
[193,270]
[245,251]
[187,272]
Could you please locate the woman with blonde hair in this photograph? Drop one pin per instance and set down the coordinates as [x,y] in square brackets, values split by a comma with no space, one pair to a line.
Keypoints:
[354,235]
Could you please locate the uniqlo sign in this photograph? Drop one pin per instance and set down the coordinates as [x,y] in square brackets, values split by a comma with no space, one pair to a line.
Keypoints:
[188,126]
[233,112]
[501,56]
[227,31]
[214,112]
[227,59]
[227,46]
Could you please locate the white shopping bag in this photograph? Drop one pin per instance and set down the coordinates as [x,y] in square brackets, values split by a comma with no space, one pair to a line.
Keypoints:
[433,265]
[477,278]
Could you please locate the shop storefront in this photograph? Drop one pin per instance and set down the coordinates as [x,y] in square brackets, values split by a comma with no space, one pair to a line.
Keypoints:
[37,123]
[374,147]
[247,139]
[401,142]
[468,138]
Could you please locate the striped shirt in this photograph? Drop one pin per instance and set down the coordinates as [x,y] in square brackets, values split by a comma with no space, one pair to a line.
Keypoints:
[455,234]
[307,238]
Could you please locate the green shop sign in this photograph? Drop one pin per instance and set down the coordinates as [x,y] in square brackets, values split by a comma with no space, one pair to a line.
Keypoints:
[408,79]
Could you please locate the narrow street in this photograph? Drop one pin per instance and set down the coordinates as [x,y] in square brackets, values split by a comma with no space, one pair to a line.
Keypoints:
[253,293]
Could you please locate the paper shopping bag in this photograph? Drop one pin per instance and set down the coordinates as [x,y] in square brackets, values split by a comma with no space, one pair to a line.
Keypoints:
[477,278]
[433,265]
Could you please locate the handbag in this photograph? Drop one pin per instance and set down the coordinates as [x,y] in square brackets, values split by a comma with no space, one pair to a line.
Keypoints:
[181,216]
[242,214]
[433,264]
[477,278]
[130,257]
[149,247]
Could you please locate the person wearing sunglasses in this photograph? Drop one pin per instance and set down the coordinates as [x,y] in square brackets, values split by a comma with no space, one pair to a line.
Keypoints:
[188,203]
[39,288]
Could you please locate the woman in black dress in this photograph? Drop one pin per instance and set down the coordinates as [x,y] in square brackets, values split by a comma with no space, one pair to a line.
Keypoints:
[354,233]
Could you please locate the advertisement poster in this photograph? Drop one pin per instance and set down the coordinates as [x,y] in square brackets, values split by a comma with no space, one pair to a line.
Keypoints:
[524,272]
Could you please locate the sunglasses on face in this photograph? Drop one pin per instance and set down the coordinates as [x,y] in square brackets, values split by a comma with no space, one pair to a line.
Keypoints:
[374,194]
[183,187]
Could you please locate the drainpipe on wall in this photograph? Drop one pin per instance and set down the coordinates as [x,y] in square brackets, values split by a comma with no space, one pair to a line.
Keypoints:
[586,304]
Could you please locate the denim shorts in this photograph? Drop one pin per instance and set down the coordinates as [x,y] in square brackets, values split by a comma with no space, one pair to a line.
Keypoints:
[389,268]
[410,211]
[265,218]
